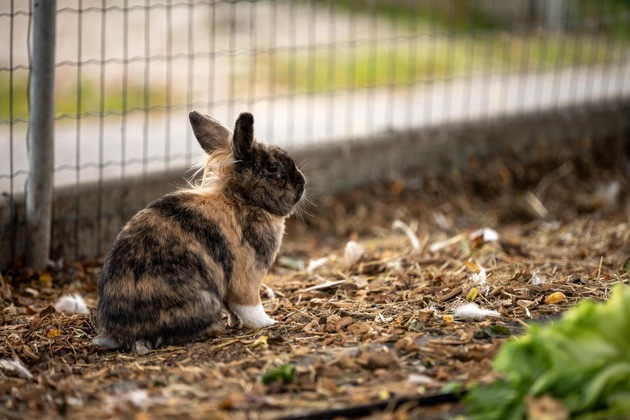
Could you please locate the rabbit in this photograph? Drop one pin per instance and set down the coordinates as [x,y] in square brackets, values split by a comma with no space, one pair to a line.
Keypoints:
[177,264]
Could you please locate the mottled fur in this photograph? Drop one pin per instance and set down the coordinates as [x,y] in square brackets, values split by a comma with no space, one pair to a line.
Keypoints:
[185,258]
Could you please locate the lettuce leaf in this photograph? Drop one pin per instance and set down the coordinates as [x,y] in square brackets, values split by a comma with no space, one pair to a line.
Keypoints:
[583,361]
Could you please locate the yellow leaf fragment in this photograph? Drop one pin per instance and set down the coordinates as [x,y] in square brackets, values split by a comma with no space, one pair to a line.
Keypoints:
[45,279]
[53,332]
[472,294]
[261,342]
[383,394]
[448,319]
[472,266]
[555,297]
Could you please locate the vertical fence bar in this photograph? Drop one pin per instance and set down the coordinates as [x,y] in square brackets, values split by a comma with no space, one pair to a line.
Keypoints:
[12,212]
[40,139]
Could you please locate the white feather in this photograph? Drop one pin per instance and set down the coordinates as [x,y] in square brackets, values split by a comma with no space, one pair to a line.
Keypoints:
[472,311]
[73,304]
[352,253]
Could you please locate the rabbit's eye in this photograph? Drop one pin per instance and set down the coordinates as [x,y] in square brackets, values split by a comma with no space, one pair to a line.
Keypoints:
[271,169]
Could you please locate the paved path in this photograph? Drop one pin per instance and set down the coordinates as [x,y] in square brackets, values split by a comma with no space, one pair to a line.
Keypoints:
[303,121]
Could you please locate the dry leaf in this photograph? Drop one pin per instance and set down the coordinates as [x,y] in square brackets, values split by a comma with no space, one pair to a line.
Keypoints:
[379,360]
[524,303]
[407,345]
[360,328]
[326,386]
[312,327]
[359,281]
[29,352]
[53,332]
[344,322]
[555,297]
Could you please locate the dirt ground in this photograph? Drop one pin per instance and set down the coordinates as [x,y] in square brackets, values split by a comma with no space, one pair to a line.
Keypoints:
[370,337]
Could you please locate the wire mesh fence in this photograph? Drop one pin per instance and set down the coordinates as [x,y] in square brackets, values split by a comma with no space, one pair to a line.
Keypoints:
[313,72]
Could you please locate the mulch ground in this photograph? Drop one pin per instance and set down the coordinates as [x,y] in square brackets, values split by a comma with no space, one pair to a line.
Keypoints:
[367,333]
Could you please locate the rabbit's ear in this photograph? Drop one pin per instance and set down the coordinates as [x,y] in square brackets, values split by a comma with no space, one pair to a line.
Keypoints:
[210,133]
[243,136]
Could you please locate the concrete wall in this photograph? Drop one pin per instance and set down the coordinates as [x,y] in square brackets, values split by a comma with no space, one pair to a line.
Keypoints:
[104,207]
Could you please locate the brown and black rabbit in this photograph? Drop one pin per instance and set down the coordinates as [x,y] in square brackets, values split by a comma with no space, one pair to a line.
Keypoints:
[185,258]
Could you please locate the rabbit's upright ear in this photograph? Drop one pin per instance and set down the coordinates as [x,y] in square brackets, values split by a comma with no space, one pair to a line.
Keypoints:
[243,136]
[210,133]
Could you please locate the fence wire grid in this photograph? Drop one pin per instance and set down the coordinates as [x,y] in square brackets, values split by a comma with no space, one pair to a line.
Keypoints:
[312,72]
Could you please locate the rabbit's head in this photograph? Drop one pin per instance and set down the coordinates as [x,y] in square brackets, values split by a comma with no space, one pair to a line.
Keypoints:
[253,173]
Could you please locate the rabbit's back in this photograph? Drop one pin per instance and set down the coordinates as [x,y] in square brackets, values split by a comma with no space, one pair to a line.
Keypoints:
[167,273]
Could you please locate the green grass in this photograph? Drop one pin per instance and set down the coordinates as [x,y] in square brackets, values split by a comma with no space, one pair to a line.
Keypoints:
[114,98]
[427,59]
[461,15]
[19,100]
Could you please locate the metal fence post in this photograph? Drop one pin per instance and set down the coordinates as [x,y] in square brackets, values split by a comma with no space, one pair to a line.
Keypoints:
[552,14]
[41,135]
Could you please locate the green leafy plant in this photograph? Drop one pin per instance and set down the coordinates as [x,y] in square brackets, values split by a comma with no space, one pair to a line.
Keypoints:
[284,374]
[582,361]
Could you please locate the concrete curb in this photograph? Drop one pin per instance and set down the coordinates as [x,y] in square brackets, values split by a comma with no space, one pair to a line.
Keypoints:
[104,207]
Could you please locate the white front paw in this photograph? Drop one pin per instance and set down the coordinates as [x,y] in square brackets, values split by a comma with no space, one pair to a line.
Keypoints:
[252,316]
